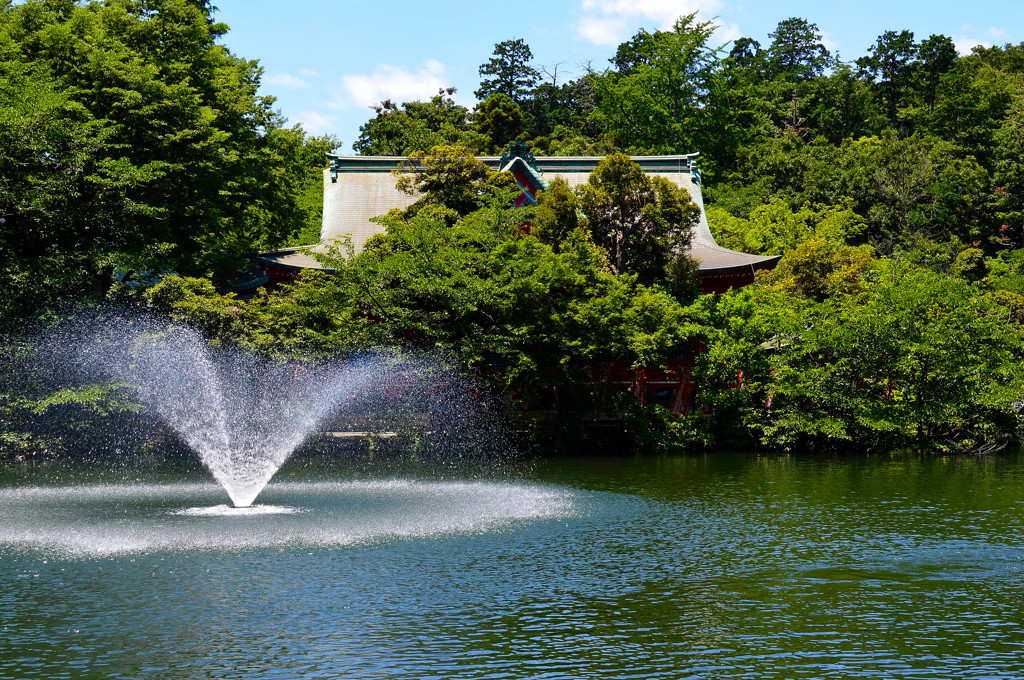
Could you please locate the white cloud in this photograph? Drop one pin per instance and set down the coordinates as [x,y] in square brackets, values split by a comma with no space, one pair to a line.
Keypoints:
[392,82]
[829,42]
[287,81]
[316,123]
[964,44]
[609,22]
[602,30]
[725,33]
[309,73]
[971,37]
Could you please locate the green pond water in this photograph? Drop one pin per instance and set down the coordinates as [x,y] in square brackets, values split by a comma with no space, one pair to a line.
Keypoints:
[722,566]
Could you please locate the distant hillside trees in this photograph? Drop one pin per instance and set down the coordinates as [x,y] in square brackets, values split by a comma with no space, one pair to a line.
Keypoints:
[917,140]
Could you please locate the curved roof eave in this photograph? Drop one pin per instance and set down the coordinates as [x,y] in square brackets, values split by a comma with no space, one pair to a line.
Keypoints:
[719,260]
[294,259]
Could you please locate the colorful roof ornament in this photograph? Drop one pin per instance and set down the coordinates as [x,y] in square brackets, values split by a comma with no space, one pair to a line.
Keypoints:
[523,166]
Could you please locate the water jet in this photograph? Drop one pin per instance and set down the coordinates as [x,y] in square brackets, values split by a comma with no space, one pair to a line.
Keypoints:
[245,414]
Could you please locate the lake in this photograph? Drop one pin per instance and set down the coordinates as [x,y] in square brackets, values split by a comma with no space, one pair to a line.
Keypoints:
[717,566]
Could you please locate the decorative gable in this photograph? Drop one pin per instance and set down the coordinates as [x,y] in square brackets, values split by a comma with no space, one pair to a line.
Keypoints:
[523,166]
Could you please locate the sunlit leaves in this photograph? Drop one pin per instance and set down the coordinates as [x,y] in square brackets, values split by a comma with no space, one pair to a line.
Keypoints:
[918,360]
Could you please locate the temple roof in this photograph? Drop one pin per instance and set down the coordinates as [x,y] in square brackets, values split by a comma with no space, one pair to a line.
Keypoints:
[358,188]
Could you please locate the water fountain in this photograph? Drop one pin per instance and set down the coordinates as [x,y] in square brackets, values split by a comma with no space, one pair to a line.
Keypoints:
[244,416]
[710,564]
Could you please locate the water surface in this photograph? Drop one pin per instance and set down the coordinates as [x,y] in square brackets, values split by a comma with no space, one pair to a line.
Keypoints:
[712,567]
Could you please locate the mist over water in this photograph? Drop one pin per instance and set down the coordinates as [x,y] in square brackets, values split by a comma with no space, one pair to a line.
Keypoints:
[244,415]
[101,520]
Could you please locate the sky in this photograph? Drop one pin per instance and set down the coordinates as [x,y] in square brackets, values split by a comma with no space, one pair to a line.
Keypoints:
[329,62]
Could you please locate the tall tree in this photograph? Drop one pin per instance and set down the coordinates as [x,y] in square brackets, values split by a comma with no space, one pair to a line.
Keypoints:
[662,104]
[499,120]
[971,102]
[796,52]
[638,50]
[938,56]
[842,106]
[1009,176]
[552,106]
[890,62]
[746,53]
[170,157]
[644,222]
[510,71]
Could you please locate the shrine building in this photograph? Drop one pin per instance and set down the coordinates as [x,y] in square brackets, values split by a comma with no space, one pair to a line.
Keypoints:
[359,188]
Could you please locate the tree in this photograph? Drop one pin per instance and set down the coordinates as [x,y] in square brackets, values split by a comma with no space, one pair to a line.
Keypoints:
[776,229]
[890,61]
[557,213]
[904,189]
[643,222]
[169,156]
[746,54]
[742,105]
[818,269]
[922,359]
[451,179]
[937,57]
[1008,58]
[499,120]
[558,110]
[903,174]
[414,126]
[490,294]
[46,412]
[61,196]
[796,52]
[310,165]
[662,103]
[510,71]
[1009,176]
[972,100]
[842,106]
[637,51]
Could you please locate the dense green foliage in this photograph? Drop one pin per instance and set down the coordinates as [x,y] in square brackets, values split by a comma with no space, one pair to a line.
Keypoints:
[130,138]
[459,272]
[917,141]
[414,126]
[917,358]
[892,185]
[643,222]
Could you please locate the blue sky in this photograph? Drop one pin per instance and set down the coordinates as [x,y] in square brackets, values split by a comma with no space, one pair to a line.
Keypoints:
[328,62]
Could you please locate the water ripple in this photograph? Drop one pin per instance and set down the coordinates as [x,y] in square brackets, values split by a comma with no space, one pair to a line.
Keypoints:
[637,569]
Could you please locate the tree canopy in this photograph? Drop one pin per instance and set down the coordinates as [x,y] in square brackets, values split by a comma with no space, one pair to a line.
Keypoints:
[510,71]
[129,137]
[891,184]
[877,179]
